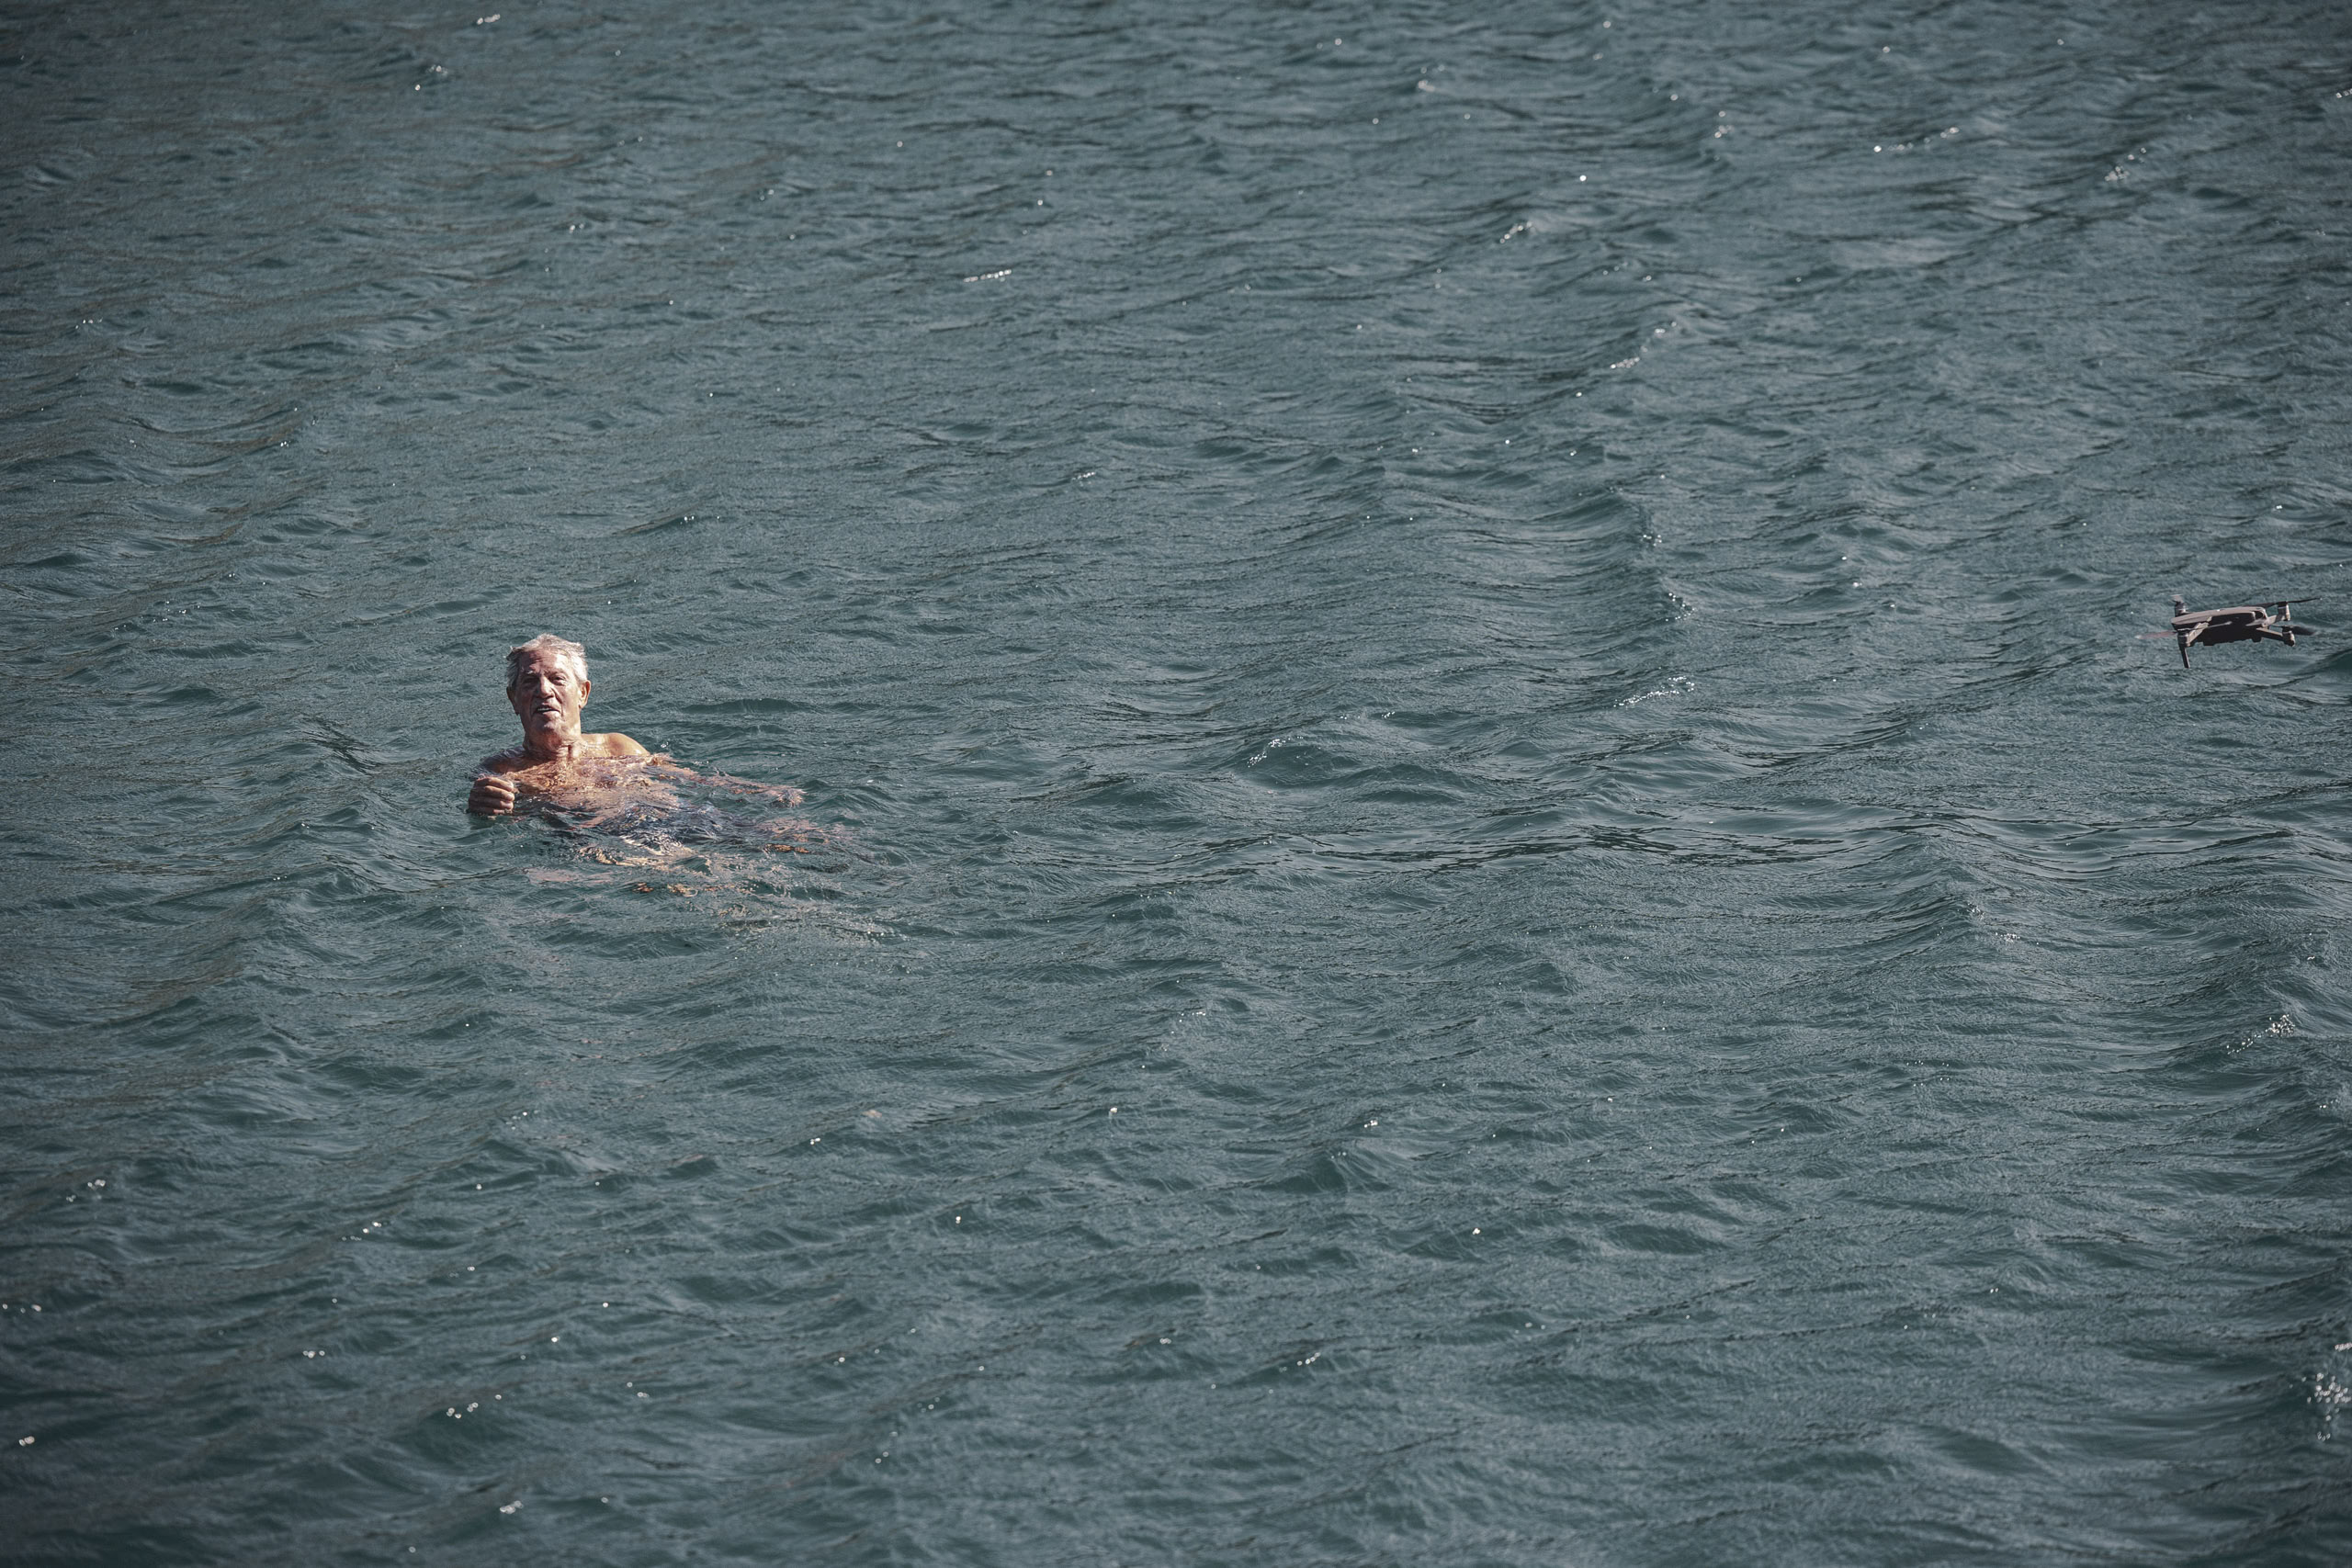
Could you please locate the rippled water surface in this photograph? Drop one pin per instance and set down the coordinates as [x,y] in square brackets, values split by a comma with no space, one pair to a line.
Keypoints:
[1490,874]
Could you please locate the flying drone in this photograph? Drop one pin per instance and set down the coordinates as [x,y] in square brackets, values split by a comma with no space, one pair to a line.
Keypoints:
[2240,623]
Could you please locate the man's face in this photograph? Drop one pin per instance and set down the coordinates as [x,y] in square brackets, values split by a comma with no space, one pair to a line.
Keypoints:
[548,696]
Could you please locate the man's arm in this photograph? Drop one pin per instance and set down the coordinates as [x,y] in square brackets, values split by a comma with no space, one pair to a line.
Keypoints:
[492,796]
[494,793]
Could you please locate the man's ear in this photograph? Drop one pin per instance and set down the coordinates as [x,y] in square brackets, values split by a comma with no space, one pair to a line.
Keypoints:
[586,687]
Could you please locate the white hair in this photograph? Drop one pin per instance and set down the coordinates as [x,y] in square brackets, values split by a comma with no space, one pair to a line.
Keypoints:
[552,647]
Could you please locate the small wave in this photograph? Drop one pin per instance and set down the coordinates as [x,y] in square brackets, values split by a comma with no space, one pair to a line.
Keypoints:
[1677,685]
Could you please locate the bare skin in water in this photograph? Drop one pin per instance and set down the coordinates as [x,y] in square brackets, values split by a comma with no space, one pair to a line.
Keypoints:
[556,761]
[604,783]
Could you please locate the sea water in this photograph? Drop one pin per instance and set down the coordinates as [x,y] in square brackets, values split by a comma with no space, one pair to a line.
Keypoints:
[1495,875]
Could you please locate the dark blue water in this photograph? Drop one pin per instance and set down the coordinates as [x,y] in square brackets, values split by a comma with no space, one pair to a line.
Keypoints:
[1493,874]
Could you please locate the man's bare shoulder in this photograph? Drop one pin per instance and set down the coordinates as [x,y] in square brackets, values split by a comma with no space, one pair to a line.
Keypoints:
[610,747]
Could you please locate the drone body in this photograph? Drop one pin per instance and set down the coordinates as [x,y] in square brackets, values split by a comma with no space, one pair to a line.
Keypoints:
[2240,622]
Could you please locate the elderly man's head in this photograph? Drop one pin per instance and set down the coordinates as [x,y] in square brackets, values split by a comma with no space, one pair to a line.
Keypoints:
[546,647]
[547,685]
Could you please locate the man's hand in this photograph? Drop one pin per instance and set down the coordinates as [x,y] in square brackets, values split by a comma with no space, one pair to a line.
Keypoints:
[492,796]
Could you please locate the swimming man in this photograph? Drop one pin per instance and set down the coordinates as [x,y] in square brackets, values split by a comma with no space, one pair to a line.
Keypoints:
[546,685]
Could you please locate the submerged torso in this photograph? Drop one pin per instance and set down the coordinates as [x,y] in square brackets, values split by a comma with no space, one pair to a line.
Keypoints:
[649,798]
[597,794]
